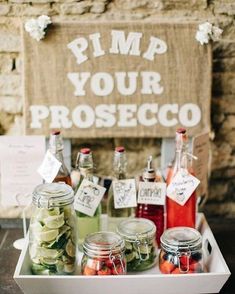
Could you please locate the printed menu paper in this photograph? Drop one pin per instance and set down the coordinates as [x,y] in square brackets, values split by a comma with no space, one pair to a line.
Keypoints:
[20,157]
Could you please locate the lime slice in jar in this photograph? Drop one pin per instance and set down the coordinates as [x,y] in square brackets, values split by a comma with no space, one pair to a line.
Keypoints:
[36,227]
[70,248]
[55,221]
[47,235]
[48,261]
[60,266]
[49,253]
[69,268]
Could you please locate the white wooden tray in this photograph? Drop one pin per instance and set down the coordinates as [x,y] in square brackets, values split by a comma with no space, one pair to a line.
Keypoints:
[148,282]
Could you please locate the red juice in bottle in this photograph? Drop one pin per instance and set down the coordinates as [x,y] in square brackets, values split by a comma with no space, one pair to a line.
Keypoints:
[176,214]
[155,213]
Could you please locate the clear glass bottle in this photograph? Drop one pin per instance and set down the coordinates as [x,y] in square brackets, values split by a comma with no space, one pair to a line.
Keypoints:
[119,170]
[155,213]
[52,230]
[181,251]
[103,255]
[56,148]
[140,246]
[176,214]
[86,224]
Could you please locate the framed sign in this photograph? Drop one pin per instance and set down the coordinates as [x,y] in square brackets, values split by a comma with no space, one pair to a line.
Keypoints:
[117,80]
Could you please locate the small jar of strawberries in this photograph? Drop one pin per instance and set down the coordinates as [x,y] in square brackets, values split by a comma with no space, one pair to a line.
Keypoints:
[103,255]
[181,251]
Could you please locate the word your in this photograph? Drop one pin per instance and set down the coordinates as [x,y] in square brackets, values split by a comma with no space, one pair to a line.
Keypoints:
[109,115]
[102,83]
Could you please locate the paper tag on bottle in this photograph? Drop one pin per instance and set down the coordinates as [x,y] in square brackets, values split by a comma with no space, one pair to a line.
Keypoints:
[182,187]
[88,197]
[49,168]
[152,193]
[124,192]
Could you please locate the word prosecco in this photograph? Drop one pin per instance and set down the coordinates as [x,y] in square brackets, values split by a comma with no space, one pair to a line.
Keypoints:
[122,115]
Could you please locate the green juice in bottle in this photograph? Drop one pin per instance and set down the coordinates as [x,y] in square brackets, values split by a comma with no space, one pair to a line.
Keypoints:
[86,224]
[116,215]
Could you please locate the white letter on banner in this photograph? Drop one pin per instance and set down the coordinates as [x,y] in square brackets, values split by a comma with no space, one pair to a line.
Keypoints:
[95,38]
[83,116]
[38,112]
[131,45]
[102,84]
[59,117]
[156,46]
[126,115]
[121,82]
[195,115]
[79,80]
[163,115]
[78,46]
[142,114]
[105,114]
[150,83]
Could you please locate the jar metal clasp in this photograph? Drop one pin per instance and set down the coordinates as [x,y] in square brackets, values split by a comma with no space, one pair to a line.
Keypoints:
[145,247]
[114,257]
[183,260]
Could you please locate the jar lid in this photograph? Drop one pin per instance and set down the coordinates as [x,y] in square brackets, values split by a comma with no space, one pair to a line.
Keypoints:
[136,229]
[181,238]
[53,195]
[103,244]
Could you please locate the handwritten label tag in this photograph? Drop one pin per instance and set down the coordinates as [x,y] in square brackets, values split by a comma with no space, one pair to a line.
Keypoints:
[88,197]
[124,192]
[182,187]
[49,168]
[152,193]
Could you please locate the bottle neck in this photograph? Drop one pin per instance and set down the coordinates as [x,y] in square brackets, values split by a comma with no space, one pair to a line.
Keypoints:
[85,166]
[181,160]
[119,166]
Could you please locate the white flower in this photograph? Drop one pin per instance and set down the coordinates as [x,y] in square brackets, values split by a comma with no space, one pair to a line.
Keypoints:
[206,32]
[216,33]
[36,27]
[205,27]
[31,25]
[37,34]
[202,37]
[43,21]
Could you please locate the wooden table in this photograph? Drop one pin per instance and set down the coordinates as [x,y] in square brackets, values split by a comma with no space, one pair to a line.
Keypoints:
[223,229]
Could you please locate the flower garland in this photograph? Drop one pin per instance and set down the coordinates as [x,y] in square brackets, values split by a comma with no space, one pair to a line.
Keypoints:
[206,32]
[36,26]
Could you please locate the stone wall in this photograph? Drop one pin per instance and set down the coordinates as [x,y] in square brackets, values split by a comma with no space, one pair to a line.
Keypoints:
[221,12]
